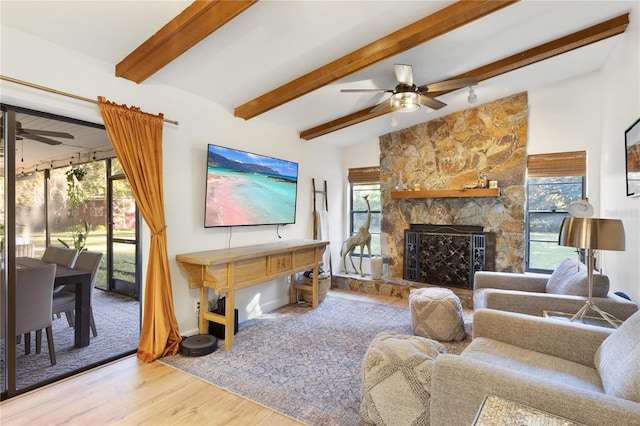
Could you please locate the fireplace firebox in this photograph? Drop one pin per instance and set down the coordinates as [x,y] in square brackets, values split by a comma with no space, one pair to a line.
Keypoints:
[447,255]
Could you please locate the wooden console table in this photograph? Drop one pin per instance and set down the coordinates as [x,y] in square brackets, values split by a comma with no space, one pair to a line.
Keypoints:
[228,270]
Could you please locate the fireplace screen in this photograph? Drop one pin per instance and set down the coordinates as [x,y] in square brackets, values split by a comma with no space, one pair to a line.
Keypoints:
[444,257]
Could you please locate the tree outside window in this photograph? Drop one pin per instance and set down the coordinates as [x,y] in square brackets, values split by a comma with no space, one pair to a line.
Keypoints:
[359,215]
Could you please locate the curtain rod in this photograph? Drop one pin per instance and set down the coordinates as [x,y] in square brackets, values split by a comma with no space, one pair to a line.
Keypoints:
[57,92]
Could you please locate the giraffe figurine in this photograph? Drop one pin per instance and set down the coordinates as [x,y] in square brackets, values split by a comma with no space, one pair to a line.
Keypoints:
[361,238]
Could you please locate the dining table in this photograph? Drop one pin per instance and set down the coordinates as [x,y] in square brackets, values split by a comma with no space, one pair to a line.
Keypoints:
[82,281]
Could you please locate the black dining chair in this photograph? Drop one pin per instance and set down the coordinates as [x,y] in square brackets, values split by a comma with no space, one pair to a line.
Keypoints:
[64,301]
[33,306]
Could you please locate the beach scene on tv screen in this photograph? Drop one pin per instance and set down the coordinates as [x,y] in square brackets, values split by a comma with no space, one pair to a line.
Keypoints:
[249,189]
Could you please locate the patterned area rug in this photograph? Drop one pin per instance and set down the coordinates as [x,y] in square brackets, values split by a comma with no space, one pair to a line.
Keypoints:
[302,362]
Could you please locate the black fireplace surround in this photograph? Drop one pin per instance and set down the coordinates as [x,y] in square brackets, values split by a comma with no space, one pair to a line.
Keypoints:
[447,255]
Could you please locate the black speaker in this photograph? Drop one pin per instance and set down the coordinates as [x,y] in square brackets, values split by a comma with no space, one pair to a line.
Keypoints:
[216,329]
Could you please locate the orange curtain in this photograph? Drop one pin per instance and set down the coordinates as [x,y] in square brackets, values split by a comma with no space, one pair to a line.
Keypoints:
[137,141]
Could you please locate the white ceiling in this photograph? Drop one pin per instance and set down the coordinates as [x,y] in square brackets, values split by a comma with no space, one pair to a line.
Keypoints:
[274,42]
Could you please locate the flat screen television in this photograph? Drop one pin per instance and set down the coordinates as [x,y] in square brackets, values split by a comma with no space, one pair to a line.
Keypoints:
[249,189]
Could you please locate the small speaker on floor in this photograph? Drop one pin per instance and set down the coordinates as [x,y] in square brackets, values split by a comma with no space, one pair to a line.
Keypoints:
[198,345]
[216,329]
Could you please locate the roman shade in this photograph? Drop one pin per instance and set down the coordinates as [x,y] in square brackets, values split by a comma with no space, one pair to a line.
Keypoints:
[557,164]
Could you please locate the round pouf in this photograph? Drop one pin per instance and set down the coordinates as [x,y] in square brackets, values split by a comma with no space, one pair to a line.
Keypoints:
[436,313]
[396,380]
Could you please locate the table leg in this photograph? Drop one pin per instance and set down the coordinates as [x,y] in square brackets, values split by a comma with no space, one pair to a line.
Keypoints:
[229,319]
[83,311]
[203,324]
[314,287]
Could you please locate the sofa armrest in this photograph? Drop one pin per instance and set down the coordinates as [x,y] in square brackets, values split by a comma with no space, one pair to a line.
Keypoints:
[510,281]
[551,337]
[459,386]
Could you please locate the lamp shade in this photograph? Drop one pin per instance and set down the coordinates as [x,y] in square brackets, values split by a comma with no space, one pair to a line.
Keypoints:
[591,233]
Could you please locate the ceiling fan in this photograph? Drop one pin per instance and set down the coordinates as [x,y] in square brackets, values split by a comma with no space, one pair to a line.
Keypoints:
[39,135]
[407,97]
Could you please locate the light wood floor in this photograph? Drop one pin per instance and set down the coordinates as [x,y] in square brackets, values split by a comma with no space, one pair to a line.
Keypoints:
[129,392]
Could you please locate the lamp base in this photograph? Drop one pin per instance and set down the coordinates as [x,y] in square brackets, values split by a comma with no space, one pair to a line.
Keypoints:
[590,305]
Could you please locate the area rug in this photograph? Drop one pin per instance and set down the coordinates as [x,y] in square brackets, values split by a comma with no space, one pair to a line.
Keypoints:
[304,363]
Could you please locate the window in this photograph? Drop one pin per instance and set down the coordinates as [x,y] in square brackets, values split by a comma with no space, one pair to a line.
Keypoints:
[554,182]
[365,182]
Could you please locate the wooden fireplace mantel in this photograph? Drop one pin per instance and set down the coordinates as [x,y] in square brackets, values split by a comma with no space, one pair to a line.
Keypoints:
[227,270]
[448,193]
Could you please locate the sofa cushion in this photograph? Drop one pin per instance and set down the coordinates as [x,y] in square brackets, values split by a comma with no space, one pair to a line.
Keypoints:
[618,361]
[570,278]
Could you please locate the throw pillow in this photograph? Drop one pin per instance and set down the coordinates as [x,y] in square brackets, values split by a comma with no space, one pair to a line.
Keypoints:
[396,380]
[618,361]
[570,278]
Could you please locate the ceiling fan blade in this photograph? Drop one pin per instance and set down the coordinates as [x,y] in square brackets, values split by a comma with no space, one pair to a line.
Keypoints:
[40,139]
[47,133]
[364,90]
[404,74]
[431,103]
[446,85]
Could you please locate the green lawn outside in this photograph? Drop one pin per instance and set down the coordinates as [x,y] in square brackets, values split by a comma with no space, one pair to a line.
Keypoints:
[546,253]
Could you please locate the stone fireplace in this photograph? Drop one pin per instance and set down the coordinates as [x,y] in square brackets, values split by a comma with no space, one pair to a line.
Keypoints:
[451,153]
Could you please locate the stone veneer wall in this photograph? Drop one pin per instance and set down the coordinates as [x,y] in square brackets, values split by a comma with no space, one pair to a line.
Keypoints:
[451,153]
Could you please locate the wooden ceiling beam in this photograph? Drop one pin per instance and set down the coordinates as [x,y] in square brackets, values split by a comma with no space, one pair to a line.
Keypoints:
[539,53]
[184,31]
[428,28]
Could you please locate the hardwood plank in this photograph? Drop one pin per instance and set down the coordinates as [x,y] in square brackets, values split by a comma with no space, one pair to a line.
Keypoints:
[192,25]
[132,392]
[427,28]
[539,53]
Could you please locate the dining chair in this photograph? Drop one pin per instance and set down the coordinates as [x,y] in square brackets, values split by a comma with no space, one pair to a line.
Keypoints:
[64,301]
[33,306]
[61,256]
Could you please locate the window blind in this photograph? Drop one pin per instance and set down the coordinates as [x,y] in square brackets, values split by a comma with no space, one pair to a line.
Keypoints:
[557,164]
[364,175]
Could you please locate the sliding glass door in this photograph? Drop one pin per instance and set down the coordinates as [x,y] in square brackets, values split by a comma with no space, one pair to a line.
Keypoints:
[58,190]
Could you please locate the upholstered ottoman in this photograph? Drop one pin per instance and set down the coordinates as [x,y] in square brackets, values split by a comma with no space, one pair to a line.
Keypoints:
[396,380]
[436,313]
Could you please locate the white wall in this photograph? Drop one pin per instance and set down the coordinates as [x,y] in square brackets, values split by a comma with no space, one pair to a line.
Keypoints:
[621,108]
[184,147]
[567,117]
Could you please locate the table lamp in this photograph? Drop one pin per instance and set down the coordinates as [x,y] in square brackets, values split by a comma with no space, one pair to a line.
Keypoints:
[592,234]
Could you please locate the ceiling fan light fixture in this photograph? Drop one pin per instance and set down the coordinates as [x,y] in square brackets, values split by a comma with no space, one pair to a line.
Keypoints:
[405,101]
[472,98]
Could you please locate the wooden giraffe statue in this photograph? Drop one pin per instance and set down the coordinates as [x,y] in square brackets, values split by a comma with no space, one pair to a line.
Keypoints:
[361,238]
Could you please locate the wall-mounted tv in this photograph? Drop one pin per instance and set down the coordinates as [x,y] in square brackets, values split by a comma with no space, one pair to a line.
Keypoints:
[249,189]
[632,151]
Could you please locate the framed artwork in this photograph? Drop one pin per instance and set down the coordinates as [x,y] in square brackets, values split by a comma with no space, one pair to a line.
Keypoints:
[632,152]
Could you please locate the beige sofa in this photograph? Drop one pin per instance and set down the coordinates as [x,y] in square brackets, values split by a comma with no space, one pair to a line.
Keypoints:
[565,290]
[584,373]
